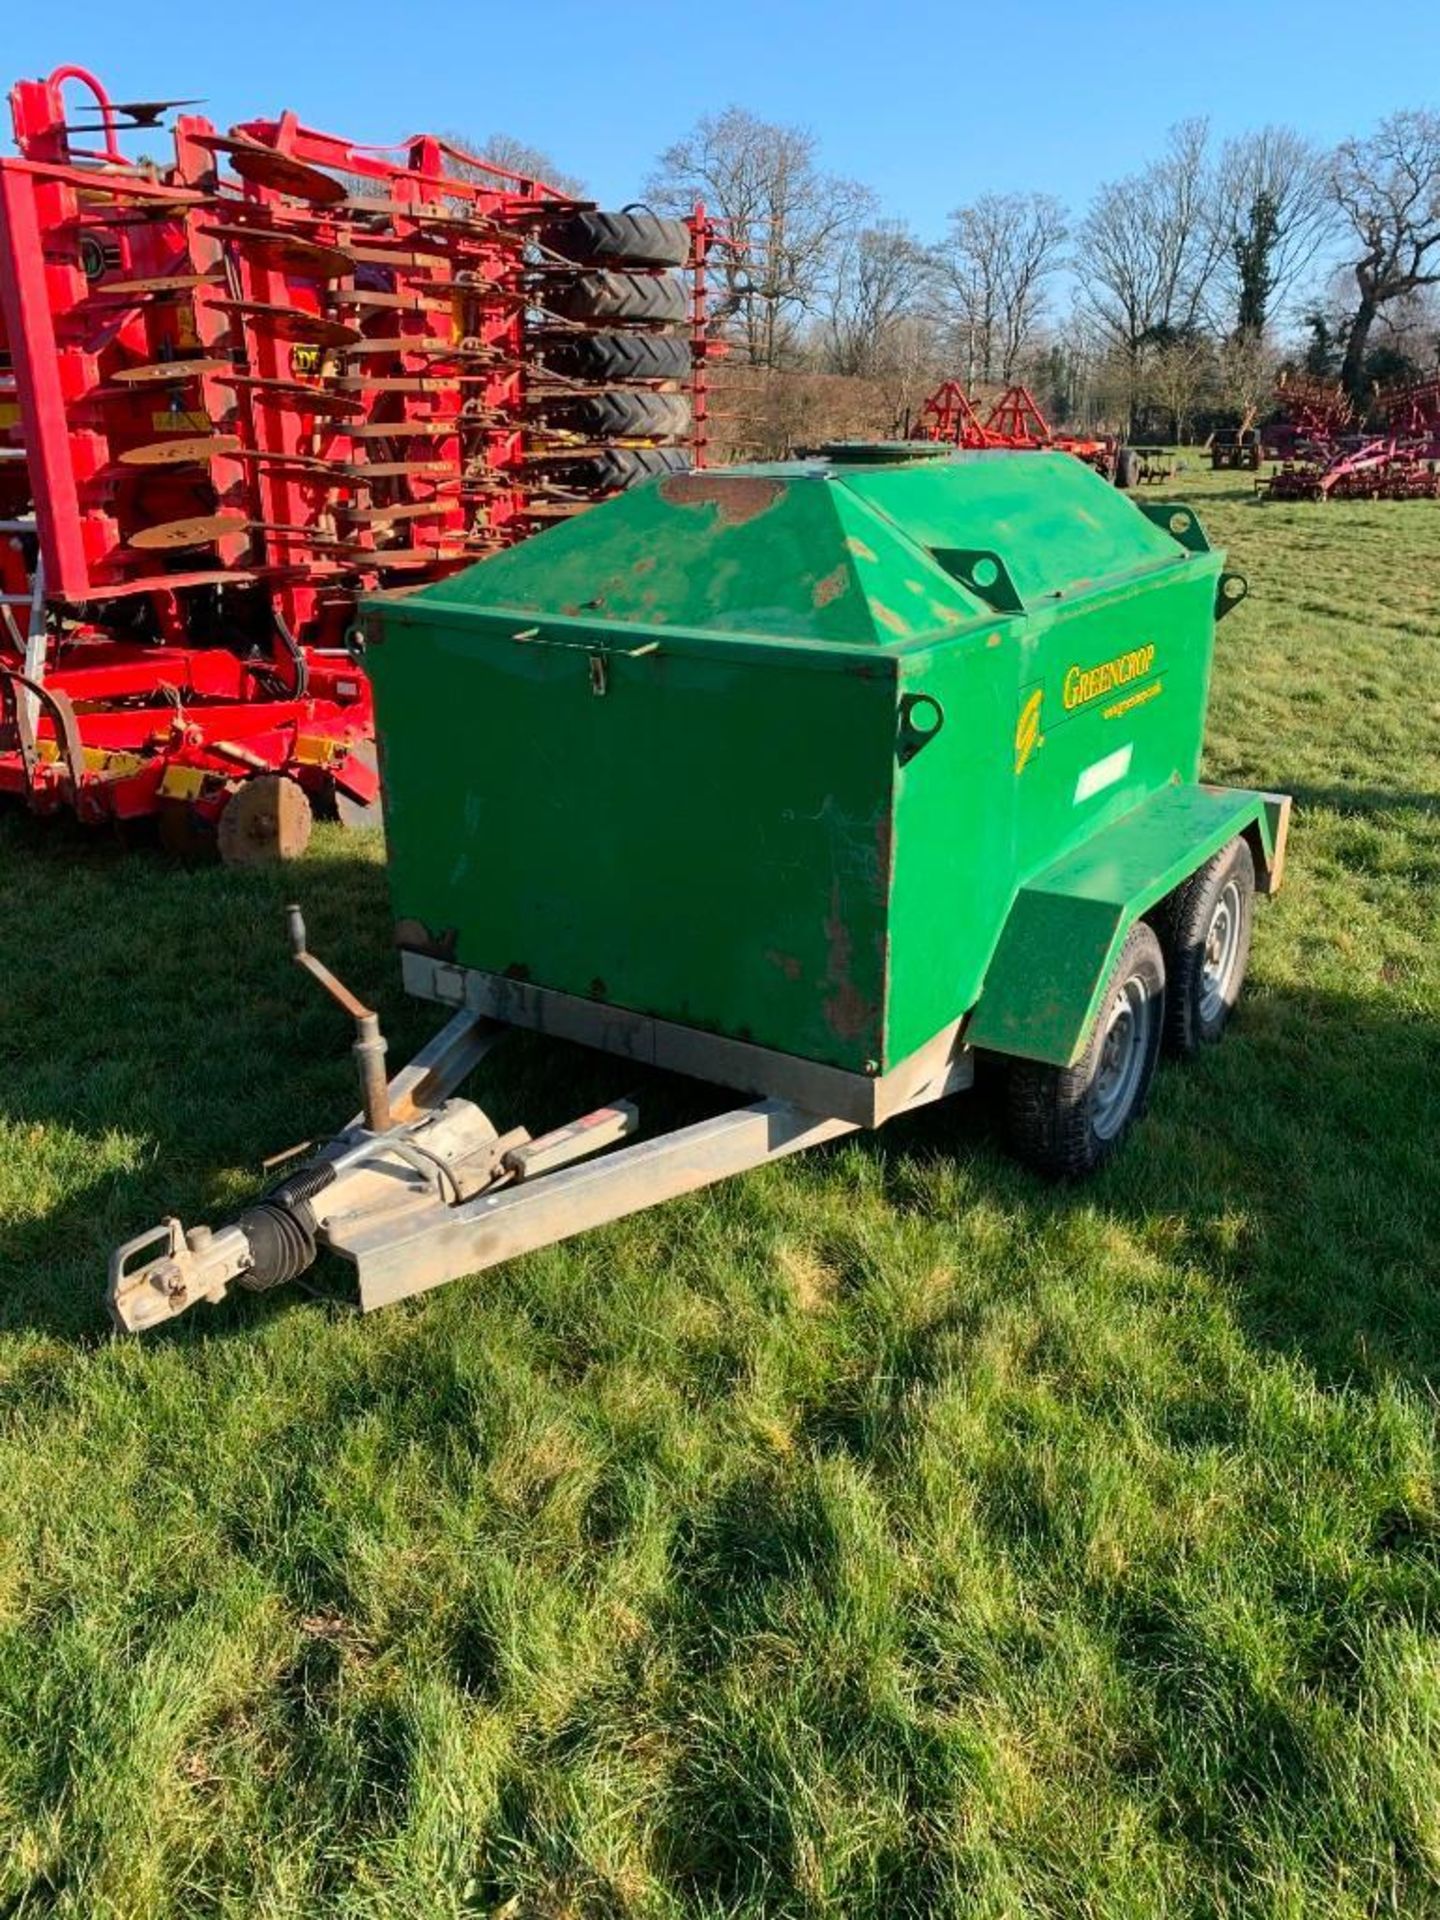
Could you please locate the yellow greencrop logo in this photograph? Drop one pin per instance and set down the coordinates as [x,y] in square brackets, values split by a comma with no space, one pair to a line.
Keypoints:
[1027,729]
[1083,684]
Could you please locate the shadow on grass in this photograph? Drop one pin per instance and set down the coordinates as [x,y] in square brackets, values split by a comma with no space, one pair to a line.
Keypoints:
[157,1044]
[1347,799]
[1294,1164]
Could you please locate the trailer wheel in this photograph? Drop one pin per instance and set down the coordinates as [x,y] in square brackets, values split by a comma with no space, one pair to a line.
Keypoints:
[268,818]
[635,237]
[1127,469]
[652,299]
[1205,928]
[619,356]
[1066,1122]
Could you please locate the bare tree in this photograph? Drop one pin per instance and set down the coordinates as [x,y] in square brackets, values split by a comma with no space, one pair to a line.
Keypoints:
[999,253]
[1388,189]
[781,220]
[1174,374]
[1275,211]
[882,274]
[913,364]
[1245,370]
[1150,245]
[503,150]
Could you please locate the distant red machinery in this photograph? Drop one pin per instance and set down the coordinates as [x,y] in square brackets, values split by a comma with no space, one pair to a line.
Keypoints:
[1329,461]
[238,389]
[1016,421]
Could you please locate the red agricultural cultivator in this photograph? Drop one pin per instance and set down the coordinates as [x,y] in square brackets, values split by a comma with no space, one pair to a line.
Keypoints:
[1016,421]
[239,388]
[1324,457]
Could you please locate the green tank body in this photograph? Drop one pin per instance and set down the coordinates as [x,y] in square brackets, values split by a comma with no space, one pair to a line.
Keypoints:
[819,757]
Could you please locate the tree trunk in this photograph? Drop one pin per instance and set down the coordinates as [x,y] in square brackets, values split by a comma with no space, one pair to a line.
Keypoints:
[1352,372]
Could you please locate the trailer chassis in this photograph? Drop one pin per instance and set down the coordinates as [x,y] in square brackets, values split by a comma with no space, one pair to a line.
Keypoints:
[422,1186]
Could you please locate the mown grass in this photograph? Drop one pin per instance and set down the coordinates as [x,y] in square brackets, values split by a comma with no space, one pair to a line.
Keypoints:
[882,1534]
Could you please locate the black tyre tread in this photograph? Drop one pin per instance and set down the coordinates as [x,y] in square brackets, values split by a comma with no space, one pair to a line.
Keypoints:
[1181,922]
[655,299]
[635,237]
[1047,1116]
[605,356]
[635,413]
[620,467]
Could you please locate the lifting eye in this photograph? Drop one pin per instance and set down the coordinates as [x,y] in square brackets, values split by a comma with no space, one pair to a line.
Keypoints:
[921,718]
[1230,590]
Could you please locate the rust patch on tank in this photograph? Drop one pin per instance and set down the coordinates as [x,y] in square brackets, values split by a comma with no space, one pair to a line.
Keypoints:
[888,618]
[847,1012]
[735,498]
[645,564]
[884,845]
[831,585]
[859,548]
[788,964]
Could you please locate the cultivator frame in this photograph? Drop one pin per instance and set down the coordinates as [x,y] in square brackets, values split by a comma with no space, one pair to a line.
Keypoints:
[1327,459]
[1016,421]
[240,389]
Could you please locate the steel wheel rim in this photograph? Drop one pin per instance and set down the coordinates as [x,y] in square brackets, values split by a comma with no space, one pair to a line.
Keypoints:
[1219,953]
[1124,1048]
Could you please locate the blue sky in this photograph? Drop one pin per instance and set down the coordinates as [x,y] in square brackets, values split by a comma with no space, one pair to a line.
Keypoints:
[927,103]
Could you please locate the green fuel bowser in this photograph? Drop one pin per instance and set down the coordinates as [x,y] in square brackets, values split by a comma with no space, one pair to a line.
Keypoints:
[814,780]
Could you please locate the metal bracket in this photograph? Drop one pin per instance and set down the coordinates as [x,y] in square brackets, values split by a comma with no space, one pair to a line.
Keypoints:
[921,718]
[1180,522]
[1230,590]
[983,573]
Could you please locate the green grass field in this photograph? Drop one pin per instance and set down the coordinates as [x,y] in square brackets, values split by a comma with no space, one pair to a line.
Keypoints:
[881,1534]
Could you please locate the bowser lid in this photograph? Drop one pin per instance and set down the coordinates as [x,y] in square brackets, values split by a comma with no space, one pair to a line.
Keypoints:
[857,554]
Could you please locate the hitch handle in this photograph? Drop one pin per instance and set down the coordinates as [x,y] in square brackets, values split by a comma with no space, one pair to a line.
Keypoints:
[369,1045]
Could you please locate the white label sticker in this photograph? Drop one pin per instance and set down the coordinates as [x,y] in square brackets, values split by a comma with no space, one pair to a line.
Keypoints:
[1104,773]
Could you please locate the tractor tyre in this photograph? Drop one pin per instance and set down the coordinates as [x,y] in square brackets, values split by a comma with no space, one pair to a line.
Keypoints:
[642,299]
[635,237]
[620,467]
[1066,1122]
[606,357]
[1205,928]
[634,413]
[1127,469]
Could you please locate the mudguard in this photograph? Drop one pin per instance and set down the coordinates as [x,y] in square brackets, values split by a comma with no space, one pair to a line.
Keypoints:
[1067,925]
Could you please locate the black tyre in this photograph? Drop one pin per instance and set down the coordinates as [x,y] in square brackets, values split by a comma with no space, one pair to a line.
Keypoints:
[651,299]
[1205,928]
[634,413]
[1066,1122]
[1127,469]
[634,238]
[620,467]
[604,357]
